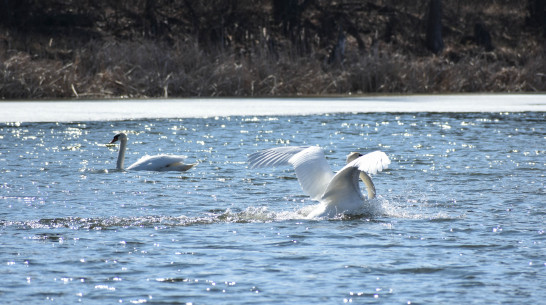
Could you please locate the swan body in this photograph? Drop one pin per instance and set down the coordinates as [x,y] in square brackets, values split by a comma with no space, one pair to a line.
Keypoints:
[338,193]
[159,163]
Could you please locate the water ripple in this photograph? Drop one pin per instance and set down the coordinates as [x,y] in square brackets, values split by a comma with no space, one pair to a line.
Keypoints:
[459,215]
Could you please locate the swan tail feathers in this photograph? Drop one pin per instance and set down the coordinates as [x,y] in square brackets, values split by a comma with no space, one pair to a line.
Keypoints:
[179,166]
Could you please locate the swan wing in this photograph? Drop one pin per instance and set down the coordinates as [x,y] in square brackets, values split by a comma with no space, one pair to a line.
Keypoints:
[313,171]
[311,168]
[344,189]
[161,163]
[372,163]
[343,193]
[277,156]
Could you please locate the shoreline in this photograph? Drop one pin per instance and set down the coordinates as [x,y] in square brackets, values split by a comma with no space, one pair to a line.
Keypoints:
[119,110]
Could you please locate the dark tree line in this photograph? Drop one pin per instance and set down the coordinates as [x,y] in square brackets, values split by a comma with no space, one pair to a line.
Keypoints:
[305,24]
[144,48]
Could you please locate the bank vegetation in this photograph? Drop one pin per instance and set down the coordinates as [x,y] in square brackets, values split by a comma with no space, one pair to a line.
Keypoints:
[261,48]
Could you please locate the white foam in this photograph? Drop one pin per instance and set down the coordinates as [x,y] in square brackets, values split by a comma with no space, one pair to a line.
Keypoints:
[112,110]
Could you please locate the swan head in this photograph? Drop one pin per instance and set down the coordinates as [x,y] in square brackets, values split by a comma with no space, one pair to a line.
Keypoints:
[119,137]
[353,156]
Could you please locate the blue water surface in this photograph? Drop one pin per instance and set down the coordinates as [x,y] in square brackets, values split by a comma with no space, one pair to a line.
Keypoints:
[461,215]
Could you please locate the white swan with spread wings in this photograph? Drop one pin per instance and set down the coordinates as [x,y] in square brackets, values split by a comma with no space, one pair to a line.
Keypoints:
[159,163]
[338,193]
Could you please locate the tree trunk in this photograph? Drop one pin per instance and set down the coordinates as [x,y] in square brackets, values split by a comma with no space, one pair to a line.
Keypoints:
[434,39]
[537,14]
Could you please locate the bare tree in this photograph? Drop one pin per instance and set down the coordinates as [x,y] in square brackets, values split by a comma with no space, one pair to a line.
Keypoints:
[434,39]
[537,14]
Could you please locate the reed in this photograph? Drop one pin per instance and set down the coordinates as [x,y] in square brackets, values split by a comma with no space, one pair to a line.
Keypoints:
[151,69]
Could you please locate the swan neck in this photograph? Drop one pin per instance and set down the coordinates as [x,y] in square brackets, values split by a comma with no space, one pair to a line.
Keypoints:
[121,154]
[370,187]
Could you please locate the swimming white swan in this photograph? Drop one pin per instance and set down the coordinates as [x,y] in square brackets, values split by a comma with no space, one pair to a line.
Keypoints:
[337,193]
[159,163]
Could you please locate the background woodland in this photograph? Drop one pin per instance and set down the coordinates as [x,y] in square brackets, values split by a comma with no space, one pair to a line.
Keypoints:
[51,49]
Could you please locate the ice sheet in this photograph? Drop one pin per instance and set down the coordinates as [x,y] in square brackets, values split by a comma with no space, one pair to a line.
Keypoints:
[111,110]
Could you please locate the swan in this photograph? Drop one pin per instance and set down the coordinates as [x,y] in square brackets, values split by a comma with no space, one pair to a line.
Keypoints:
[337,193]
[159,163]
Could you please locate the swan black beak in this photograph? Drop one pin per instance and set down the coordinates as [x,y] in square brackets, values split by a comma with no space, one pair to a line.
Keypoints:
[114,139]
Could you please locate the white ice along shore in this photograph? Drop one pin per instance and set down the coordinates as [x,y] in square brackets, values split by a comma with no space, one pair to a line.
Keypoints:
[114,110]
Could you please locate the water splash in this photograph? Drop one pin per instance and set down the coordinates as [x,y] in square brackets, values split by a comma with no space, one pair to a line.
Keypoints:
[262,214]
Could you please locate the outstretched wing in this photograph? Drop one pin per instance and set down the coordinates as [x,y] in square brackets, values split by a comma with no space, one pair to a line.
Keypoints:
[372,163]
[344,185]
[274,156]
[312,170]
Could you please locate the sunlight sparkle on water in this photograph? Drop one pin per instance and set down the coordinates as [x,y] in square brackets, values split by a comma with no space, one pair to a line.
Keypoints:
[460,187]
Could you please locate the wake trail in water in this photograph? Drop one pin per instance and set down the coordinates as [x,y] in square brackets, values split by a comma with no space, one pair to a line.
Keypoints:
[378,207]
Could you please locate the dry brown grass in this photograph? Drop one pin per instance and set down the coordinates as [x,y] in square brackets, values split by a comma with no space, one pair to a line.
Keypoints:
[148,69]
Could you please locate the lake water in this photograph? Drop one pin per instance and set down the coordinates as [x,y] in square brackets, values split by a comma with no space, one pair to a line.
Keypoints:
[460,212]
